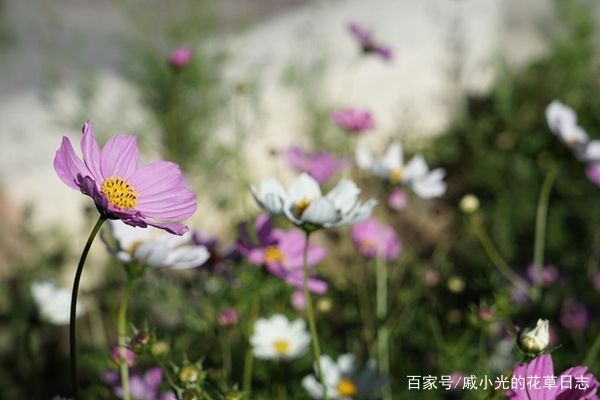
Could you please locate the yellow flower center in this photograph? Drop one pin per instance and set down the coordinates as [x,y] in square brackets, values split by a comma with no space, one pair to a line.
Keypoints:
[272,255]
[119,193]
[396,175]
[301,206]
[346,388]
[281,347]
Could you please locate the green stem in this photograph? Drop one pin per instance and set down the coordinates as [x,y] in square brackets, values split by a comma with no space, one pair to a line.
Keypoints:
[73,320]
[499,262]
[383,333]
[362,291]
[122,332]
[311,321]
[540,233]
[249,360]
[592,354]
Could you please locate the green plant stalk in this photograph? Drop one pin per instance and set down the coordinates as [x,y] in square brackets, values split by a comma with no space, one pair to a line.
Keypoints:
[383,333]
[311,321]
[499,262]
[362,292]
[73,318]
[122,332]
[248,360]
[540,233]
[592,354]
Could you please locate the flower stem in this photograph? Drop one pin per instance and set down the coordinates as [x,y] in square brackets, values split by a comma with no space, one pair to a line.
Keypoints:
[499,262]
[311,320]
[122,332]
[540,233]
[73,320]
[249,361]
[382,332]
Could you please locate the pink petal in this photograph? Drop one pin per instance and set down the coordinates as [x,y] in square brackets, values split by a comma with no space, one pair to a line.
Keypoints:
[156,177]
[68,166]
[176,229]
[181,205]
[91,151]
[120,156]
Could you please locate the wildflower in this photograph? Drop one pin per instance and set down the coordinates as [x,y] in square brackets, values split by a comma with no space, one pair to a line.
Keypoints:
[281,252]
[549,274]
[118,358]
[574,315]
[469,204]
[53,302]
[534,341]
[218,254]
[180,57]
[305,206]
[298,300]
[415,174]
[141,387]
[353,120]
[151,195]
[321,165]
[398,199]
[156,248]
[541,367]
[342,382]
[278,338]
[592,172]
[373,238]
[228,317]
[367,42]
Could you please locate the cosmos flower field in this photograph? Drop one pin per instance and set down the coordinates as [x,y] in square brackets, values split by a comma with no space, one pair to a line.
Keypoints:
[462,267]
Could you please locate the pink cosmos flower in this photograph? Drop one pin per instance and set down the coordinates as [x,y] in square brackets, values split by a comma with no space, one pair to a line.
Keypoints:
[281,252]
[549,276]
[398,199]
[353,120]
[576,383]
[154,194]
[593,173]
[228,317]
[372,237]
[574,315]
[180,57]
[367,43]
[118,359]
[321,165]
[141,387]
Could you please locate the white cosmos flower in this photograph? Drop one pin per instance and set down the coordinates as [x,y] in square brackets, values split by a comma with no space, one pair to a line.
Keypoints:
[536,340]
[415,174]
[277,338]
[342,381]
[305,205]
[54,302]
[156,247]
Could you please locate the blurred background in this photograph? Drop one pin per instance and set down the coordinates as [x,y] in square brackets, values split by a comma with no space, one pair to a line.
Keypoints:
[467,85]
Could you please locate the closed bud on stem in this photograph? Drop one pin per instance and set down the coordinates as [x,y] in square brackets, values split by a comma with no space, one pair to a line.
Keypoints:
[188,374]
[469,204]
[535,341]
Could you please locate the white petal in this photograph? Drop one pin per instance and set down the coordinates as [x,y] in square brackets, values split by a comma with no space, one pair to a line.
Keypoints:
[393,157]
[186,257]
[573,135]
[320,212]
[304,187]
[344,196]
[313,387]
[590,152]
[361,212]
[416,168]
[152,253]
[559,114]
[272,196]
[346,363]
[364,159]
[430,186]
[127,236]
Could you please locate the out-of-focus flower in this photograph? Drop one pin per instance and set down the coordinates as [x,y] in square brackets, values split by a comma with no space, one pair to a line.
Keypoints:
[154,194]
[156,248]
[431,277]
[541,367]
[518,295]
[469,204]
[228,317]
[188,374]
[299,300]
[218,253]
[367,43]
[535,341]
[281,252]
[574,315]
[141,387]
[415,174]
[562,121]
[596,280]
[456,284]
[305,206]
[53,302]
[549,274]
[353,120]
[373,238]
[119,359]
[455,381]
[321,165]
[180,57]
[398,199]
[342,381]
[593,173]
[277,338]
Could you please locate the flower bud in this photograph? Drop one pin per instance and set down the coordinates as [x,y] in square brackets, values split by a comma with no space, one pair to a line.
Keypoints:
[324,305]
[188,374]
[228,317]
[535,340]
[140,342]
[119,356]
[469,204]
[160,348]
